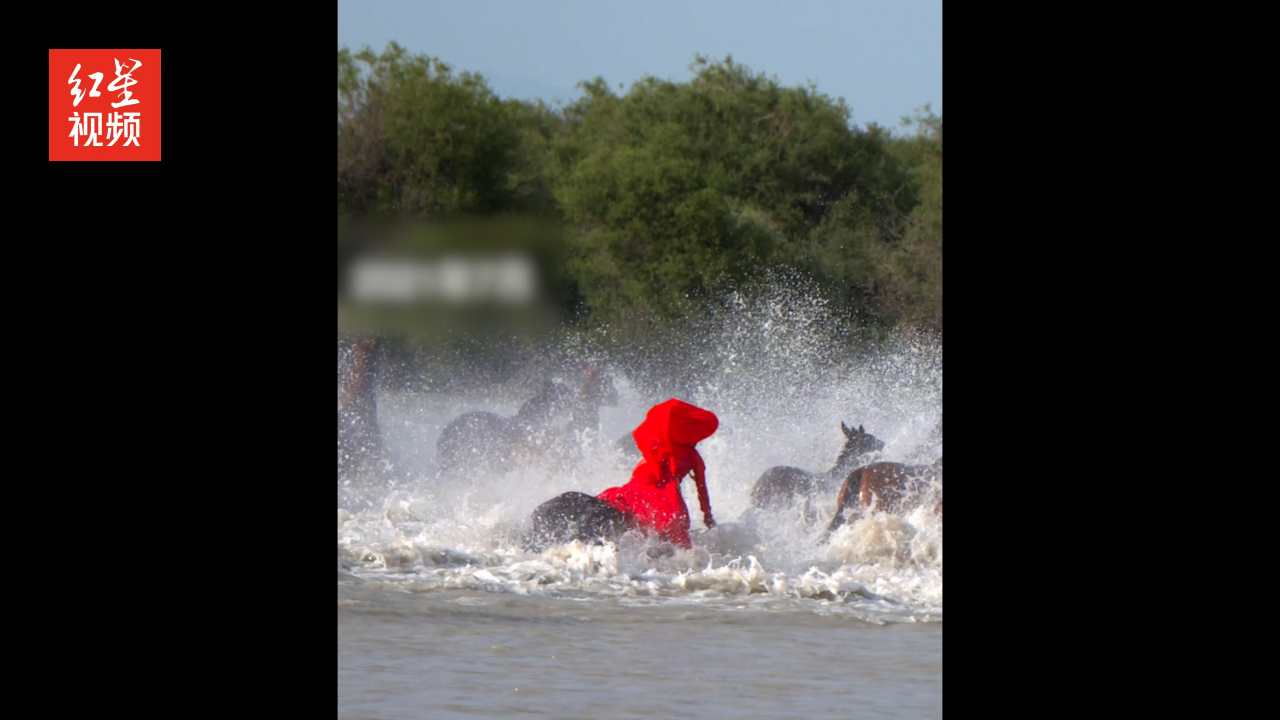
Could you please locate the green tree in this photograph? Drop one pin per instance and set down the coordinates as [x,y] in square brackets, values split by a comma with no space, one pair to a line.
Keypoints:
[672,195]
[416,139]
[683,190]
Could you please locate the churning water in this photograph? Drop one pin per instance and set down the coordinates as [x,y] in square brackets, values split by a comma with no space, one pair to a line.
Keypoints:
[441,614]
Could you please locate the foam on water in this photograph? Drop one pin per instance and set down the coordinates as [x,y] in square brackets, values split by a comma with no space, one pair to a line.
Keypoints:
[780,395]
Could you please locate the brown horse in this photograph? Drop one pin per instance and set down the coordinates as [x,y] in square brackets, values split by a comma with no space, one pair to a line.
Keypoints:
[489,442]
[782,485]
[359,439]
[887,486]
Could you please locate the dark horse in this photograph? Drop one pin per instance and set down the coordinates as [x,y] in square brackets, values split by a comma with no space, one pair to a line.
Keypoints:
[782,485]
[574,516]
[887,486]
[359,440]
[490,442]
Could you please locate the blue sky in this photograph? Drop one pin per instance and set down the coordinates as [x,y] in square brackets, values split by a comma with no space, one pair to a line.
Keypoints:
[883,57]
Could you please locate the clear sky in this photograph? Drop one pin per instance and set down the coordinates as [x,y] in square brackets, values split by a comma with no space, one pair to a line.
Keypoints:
[884,57]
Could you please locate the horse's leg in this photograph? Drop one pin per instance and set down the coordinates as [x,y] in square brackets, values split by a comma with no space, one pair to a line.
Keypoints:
[848,492]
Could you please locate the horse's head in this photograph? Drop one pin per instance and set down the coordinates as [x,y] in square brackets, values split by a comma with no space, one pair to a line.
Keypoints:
[597,386]
[857,443]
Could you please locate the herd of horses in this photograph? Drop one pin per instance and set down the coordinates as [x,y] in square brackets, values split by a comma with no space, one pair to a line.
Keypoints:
[551,426]
[555,424]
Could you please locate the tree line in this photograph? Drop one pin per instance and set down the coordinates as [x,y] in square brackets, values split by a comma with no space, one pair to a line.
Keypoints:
[669,195]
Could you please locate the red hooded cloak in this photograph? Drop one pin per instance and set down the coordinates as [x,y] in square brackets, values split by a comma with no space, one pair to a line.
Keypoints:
[652,499]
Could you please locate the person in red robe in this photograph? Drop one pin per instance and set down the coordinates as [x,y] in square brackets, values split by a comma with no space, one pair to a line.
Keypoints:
[652,501]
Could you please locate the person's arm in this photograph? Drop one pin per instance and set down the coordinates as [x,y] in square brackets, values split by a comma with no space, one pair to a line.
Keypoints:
[699,479]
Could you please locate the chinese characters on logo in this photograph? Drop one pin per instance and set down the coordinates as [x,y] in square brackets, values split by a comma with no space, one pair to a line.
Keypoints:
[118,85]
[97,78]
[91,123]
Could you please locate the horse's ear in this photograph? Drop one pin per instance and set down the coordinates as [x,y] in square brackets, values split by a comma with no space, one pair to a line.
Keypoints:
[864,432]
[844,428]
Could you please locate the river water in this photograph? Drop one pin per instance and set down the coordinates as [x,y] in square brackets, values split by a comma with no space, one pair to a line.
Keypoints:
[473,653]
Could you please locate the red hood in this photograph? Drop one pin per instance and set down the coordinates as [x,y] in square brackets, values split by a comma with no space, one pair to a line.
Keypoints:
[672,429]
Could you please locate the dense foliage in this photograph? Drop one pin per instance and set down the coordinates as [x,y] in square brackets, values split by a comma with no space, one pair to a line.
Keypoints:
[669,195]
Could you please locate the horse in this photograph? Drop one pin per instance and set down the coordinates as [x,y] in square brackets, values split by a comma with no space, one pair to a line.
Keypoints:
[781,485]
[359,439]
[490,442]
[887,486]
[574,516]
[487,441]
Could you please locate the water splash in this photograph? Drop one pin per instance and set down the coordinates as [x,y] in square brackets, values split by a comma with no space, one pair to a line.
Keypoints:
[774,368]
